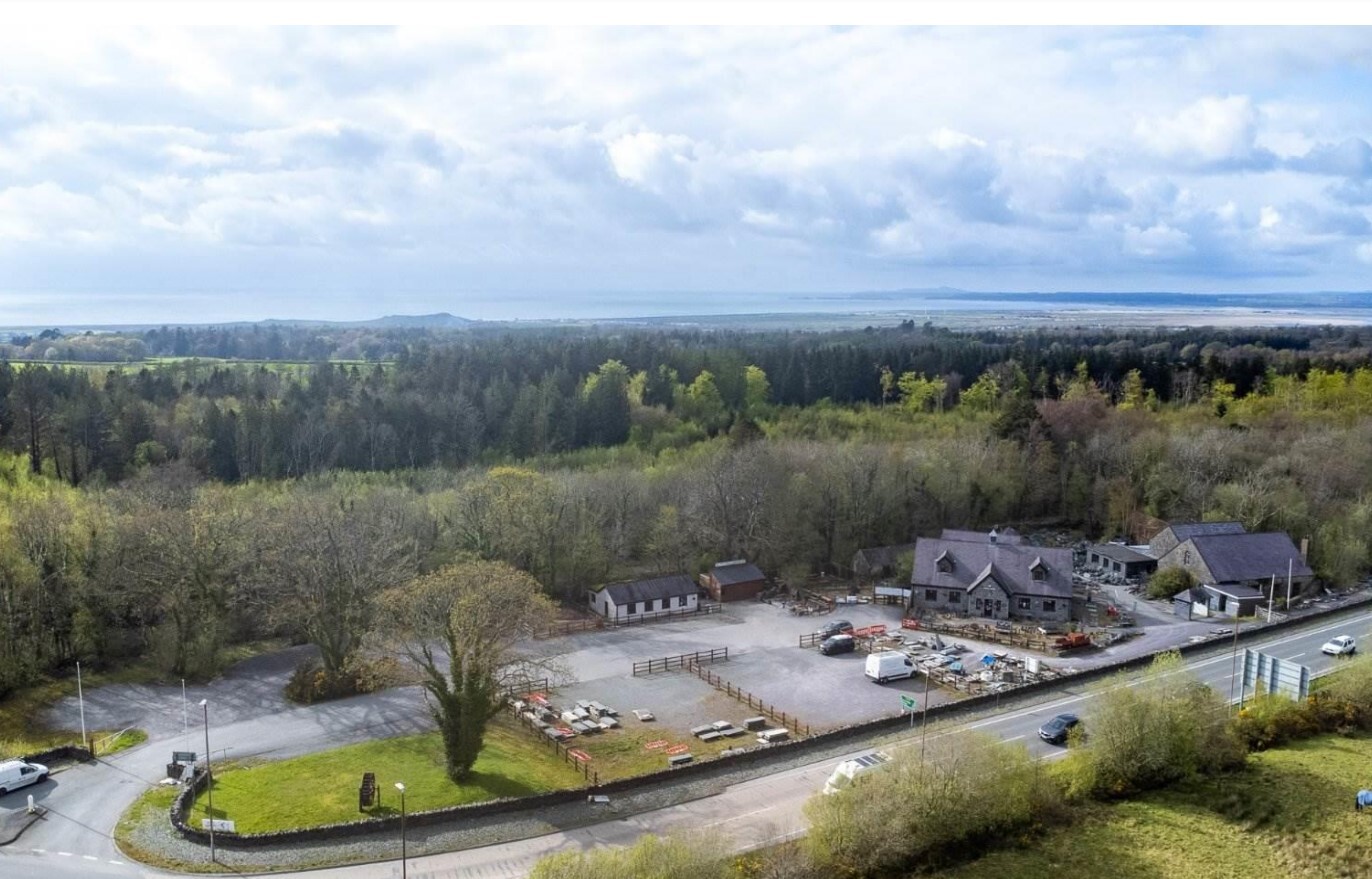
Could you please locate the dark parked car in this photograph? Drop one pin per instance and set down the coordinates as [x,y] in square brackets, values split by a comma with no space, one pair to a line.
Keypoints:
[1055,731]
[834,627]
[836,644]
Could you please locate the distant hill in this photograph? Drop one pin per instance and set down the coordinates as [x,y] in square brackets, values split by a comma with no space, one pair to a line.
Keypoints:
[441,320]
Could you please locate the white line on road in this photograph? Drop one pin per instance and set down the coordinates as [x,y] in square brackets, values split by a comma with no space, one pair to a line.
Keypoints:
[65,854]
[1013,739]
[89,858]
[39,851]
[1297,656]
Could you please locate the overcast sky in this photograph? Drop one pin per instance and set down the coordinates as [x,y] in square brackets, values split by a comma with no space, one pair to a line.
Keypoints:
[150,175]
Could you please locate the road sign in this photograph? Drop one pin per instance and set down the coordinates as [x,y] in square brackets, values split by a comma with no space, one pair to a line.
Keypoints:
[183,756]
[1275,675]
[908,703]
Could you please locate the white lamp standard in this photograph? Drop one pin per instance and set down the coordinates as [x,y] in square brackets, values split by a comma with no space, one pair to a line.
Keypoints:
[209,775]
[400,786]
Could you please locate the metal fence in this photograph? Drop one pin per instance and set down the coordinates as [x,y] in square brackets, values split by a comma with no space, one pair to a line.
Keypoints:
[667,663]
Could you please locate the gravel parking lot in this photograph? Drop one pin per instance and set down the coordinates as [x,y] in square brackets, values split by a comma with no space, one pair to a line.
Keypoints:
[764,659]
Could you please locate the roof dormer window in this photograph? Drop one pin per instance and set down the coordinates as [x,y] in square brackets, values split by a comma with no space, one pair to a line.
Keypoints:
[1038,570]
[944,562]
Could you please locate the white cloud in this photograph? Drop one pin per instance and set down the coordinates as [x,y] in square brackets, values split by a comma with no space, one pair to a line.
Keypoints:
[635,157]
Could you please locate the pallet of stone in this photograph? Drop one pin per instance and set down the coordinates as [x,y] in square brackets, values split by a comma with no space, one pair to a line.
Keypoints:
[644,714]
[732,731]
[604,709]
[720,724]
[584,704]
[702,729]
[608,723]
[710,736]
[679,760]
[755,723]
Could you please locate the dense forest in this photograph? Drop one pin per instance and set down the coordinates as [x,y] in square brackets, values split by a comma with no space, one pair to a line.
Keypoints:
[166,511]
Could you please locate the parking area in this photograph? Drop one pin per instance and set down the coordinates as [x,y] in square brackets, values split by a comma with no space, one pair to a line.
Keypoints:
[765,661]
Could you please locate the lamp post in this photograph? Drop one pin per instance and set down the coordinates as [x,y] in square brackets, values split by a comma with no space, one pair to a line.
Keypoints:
[209,776]
[400,786]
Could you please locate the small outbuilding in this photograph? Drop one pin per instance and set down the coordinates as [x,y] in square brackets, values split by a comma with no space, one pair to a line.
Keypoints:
[737,580]
[1212,600]
[879,562]
[636,599]
[1117,558]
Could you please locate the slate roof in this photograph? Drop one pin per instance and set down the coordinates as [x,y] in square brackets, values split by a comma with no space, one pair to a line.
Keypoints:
[1187,530]
[729,573]
[1237,557]
[1193,594]
[1120,553]
[1235,590]
[649,590]
[1009,564]
[1008,536]
[880,556]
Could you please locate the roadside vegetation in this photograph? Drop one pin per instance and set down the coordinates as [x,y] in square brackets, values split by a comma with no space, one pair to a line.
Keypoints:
[1161,784]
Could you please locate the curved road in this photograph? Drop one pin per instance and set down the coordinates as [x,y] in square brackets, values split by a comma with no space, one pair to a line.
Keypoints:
[84,801]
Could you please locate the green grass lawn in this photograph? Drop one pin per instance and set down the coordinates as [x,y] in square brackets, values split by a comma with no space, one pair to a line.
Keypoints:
[322,788]
[1289,815]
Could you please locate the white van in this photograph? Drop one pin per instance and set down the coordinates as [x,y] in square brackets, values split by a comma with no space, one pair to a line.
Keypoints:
[15,774]
[889,666]
[842,777]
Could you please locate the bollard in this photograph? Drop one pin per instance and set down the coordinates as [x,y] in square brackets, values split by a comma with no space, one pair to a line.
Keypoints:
[32,809]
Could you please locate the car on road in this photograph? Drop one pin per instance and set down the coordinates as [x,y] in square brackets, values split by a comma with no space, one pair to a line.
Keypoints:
[15,774]
[1055,731]
[1343,645]
[834,627]
[836,644]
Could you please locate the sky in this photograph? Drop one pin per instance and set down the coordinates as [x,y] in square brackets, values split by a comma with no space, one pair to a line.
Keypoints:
[152,174]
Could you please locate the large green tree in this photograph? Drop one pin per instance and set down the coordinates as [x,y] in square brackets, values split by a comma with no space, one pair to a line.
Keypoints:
[461,626]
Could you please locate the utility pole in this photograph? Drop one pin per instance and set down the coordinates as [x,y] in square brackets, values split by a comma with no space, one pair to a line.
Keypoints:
[1289,563]
[1271,596]
[924,720]
[81,701]
[1233,663]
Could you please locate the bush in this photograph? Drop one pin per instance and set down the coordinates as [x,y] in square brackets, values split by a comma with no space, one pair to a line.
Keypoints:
[1169,581]
[971,792]
[310,683]
[649,858]
[1151,733]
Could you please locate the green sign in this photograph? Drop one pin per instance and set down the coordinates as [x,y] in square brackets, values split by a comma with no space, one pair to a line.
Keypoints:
[183,756]
[907,703]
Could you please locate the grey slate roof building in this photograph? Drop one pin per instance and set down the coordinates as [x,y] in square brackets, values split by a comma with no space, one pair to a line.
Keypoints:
[1120,559]
[992,579]
[1168,538]
[1007,536]
[1239,559]
[879,561]
[734,581]
[633,599]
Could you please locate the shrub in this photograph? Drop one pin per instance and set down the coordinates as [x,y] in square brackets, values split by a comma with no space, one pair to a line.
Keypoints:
[649,858]
[971,792]
[311,683]
[1148,734]
[1169,581]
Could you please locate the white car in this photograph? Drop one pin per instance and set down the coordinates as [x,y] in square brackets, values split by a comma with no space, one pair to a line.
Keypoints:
[1343,645]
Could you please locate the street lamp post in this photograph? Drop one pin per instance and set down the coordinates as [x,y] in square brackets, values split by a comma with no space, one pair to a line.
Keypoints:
[400,786]
[209,775]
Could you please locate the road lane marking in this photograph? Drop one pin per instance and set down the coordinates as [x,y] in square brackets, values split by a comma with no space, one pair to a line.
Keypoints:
[65,854]
[1014,739]
[90,857]
[1297,656]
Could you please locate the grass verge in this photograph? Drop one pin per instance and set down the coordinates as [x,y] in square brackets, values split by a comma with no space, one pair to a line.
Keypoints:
[1289,814]
[322,788]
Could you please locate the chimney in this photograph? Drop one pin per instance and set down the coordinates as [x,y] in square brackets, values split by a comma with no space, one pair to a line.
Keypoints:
[1305,548]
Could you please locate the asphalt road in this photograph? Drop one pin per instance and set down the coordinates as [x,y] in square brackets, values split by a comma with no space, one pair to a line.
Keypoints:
[73,841]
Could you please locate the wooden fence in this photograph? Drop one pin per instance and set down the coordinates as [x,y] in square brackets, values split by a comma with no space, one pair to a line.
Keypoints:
[575,757]
[659,615]
[667,663]
[790,721]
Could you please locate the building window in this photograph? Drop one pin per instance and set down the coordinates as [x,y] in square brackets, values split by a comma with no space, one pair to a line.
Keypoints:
[931,595]
[978,604]
[1023,603]
[632,608]
[681,601]
[1039,572]
[1049,605]
[954,597]
[1186,556]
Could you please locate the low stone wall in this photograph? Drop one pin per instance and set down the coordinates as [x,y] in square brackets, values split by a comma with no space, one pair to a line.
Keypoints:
[703,770]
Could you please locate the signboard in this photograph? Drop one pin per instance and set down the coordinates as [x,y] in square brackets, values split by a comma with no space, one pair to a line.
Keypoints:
[908,703]
[220,824]
[183,756]
[1275,675]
